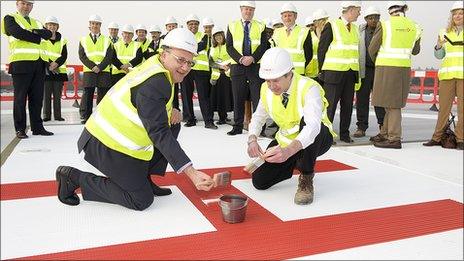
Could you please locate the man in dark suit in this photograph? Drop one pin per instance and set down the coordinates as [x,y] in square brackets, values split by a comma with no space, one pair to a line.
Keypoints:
[27,67]
[245,55]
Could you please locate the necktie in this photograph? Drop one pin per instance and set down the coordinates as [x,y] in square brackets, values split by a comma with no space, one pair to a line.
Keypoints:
[284,99]
[27,19]
[94,38]
[246,39]
[348,26]
[289,31]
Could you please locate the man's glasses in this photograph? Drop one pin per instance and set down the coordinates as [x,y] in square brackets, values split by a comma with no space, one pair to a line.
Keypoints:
[182,60]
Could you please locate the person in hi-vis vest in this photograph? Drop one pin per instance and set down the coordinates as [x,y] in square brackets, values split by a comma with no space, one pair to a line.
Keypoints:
[298,107]
[133,134]
[27,61]
[127,54]
[392,46]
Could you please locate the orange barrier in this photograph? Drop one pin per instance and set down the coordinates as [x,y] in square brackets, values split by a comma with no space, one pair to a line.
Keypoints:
[424,85]
[76,70]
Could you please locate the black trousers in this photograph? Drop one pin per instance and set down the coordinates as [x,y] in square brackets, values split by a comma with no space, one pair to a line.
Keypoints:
[222,98]
[116,77]
[342,91]
[362,102]
[54,88]
[244,85]
[86,105]
[203,86]
[29,86]
[270,174]
[187,88]
[127,182]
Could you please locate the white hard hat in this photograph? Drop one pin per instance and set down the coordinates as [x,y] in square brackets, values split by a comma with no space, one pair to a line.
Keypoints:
[309,20]
[320,14]
[248,3]
[192,17]
[217,29]
[170,20]
[140,27]
[346,4]
[276,21]
[395,3]
[181,38]
[457,5]
[128,28]
[154,28]
[29,1]
[267,22]
[95,18]
[207,21]
[371,10]
[113,25]
[52,20]
[275,63]
[288,7]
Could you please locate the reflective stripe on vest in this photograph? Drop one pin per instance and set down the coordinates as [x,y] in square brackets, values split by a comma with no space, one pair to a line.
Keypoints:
[236,29]
[293,44]
[288,119]
[312,69]
[96,52]
[398,37]
[219,55]
[124,54]
[343,52]
[22,50]
[54,52]
[201,60]
[116,123]
[452,65]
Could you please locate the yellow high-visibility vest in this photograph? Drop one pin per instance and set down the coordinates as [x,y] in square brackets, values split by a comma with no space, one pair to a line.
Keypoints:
[201,60]
[293,43]
[96,52]
[219,55]
[452,65]
[54,52]
[312,69]
[236,29]
[124,54]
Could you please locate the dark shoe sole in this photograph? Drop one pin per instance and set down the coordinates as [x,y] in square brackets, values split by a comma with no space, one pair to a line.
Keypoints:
[74,198]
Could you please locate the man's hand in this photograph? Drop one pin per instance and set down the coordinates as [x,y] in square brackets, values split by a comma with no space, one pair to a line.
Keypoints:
[254,150]
[440,42]
[247,60]
[53,66]
[176,116]
[201,180]
[95,69]
[276,154]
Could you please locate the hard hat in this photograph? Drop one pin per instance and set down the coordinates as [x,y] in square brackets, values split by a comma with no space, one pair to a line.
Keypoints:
[275,63]
[140,27]
[207,21]
[170,20]
[346,4]
[276,21]
[113,25]
[309,20]
[320,14]
[128,28]
[29,1]
[248,3]
[371,10]
[52,20]
[395,3]
[217,29]
[154,28]
[181,38]
[457,5]
[192,17]
[95,18]
[288,7]
[267,22]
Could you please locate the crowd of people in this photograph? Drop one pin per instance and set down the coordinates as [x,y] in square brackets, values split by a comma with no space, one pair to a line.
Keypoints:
[295,75]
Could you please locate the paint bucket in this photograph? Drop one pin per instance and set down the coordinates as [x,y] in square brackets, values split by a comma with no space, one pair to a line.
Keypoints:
[233,208]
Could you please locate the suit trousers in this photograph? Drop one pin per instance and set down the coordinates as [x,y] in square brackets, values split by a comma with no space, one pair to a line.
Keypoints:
[342,91]
[187,88]
[391,128]
[449,89]
[54,88]
[29,86]
[87,100]
[204,94]
[362,102]
[127,182]
[270,174]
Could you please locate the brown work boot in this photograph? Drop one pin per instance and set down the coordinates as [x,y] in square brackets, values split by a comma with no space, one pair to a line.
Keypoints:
[359,133]
[378,138]
[305,192]
[388,144]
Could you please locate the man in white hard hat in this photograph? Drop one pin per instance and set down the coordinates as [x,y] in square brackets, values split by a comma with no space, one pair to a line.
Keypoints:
[297,105]
[113,30]
[338,57]
[127,54]
[27,67]
[141,38]
[392,46]
[155,32]
[246,43]
[366,72]
[133,133]
[96,54]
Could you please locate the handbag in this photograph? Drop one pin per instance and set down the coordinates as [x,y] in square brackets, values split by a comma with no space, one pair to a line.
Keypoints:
[448,139]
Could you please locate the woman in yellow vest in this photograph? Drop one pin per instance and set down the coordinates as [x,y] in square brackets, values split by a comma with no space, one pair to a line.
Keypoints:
[219,61]
[133,134]
[298,107]
[450,48]
[56,73]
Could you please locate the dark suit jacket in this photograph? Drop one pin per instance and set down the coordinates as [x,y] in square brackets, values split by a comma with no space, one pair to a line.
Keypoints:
[14,29]
[101,79]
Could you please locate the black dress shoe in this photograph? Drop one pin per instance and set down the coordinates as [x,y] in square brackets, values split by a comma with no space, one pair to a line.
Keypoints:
[235,131]
[190,123]
[221,122]
[158,191]
[210,125]
[59,119]
[21,135]
[42,132]
[431,143]
[66,187]
[46,119]
[347,139]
